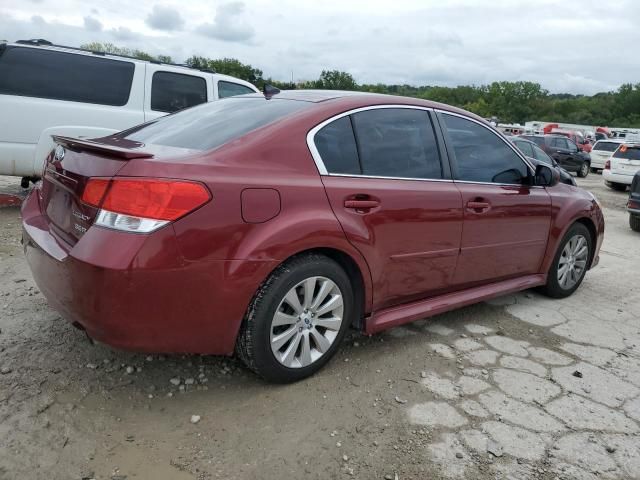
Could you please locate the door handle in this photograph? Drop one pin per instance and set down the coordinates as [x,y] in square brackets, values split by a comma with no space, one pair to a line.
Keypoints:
[478,205]
[361,204]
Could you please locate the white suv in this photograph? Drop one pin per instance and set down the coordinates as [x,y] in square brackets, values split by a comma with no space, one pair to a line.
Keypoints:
[602,151]
[52,90]
[622,166]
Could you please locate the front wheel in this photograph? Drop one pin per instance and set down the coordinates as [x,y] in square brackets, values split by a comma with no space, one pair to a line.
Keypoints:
[584,170]
[570,263]
[297,319]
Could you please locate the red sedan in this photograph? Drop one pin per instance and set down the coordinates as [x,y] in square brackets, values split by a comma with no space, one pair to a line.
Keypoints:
[267,226]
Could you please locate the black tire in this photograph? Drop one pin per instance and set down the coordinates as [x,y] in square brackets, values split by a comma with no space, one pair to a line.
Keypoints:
[253,344]
[584,170]
[593,170]
[618,187]
[553,288]
[634,222]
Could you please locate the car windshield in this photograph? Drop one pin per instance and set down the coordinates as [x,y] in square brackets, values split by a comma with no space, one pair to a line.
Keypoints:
[628,153]
[213,124]
[606,146]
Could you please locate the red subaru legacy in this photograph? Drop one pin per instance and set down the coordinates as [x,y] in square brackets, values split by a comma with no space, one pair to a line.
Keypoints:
[267,226]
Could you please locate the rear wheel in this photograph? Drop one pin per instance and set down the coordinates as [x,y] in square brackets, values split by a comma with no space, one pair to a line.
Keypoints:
[584,170]
[618,187]
[297,319]
[570,263]
[634,222]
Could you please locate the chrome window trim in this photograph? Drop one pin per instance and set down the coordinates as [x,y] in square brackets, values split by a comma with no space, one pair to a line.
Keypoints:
[318,159]
[532,170]
[378,177]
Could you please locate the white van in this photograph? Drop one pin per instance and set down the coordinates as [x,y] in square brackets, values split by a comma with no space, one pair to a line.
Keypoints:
[49,90]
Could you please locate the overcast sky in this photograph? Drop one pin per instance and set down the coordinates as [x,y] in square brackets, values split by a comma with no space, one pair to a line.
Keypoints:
[576,46]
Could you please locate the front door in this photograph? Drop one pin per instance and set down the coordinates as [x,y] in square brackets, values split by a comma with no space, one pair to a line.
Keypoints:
[506,221]
[391,193]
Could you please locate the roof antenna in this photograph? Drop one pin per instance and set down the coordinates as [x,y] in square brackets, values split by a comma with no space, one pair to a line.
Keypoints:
[269,91]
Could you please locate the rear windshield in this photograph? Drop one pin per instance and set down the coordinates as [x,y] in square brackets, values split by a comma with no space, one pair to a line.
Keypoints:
[606,146]
[42,73]
[213,124]
[629,153]
[534,139]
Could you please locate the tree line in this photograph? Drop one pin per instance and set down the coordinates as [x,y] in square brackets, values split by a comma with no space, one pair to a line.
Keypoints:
[510,102]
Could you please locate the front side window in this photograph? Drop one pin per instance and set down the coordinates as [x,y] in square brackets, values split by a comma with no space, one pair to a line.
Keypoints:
[397,142]
[171,92]
[482,156]
[573,148]
[42,73]
[230,89]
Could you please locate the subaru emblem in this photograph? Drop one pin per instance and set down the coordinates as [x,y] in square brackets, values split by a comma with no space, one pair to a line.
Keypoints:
[59,153]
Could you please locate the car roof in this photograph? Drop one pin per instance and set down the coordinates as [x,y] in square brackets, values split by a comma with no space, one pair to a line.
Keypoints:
[355,99]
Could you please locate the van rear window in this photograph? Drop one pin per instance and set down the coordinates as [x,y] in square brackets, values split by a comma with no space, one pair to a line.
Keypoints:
[43,73]
[606,146]
[628,153]
[213,124]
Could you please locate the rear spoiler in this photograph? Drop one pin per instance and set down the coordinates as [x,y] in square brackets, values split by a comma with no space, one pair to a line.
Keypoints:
[93,146]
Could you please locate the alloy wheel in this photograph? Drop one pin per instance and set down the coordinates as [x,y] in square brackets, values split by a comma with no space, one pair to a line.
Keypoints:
[573,262]
[307,322]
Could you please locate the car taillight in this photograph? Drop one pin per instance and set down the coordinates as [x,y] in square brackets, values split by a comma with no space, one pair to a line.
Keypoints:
[607,165]
[142,204]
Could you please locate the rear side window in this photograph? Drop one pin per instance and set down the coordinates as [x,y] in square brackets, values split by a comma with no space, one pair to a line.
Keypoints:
[41,73]
[230,89]
[397,142]
[336,145]
[213,124]
[628,153]
[559,142]
[171,92]
[481,155]
[606,146]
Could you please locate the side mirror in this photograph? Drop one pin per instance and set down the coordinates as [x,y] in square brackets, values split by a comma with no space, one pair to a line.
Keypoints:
[546,176]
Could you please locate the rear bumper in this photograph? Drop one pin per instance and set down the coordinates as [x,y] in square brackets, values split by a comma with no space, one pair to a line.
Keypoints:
[135,292]
[617,178]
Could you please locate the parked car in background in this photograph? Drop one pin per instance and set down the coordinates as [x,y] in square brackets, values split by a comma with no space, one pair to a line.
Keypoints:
[564,151]
[622,166]
[53,90]
[633,205]
[602,151]
[576,137]
[270,226]
[537,155]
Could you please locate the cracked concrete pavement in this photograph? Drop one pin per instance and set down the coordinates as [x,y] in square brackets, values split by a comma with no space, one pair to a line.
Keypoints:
[519,387]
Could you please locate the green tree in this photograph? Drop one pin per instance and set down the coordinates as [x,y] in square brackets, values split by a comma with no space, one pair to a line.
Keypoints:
[114,49]
[228,66]
[335,80]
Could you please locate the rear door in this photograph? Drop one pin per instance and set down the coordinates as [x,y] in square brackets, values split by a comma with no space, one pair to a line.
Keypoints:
[170,91]
[506,221]
[391,191]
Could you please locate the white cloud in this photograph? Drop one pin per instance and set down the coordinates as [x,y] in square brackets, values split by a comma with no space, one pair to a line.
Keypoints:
[165,18]
[579,46]
[228,24]
[92,24]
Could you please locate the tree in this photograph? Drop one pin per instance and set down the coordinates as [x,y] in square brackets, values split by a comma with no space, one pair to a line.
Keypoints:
[228,66]
[335,80]
[114,49]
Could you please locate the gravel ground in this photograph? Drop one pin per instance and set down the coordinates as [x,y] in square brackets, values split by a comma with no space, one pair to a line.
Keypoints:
[520,387]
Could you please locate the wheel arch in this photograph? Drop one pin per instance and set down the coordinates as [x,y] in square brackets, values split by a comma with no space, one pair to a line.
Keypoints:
[590,225]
